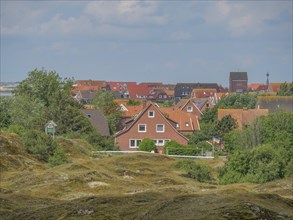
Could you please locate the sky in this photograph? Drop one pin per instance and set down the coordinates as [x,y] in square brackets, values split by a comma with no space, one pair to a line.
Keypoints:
[148,41]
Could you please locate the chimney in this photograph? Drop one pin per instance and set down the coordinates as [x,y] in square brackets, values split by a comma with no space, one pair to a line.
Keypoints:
[143,104]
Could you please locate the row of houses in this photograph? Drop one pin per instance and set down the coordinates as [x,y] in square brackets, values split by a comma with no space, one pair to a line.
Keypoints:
[163,124]
[84,90]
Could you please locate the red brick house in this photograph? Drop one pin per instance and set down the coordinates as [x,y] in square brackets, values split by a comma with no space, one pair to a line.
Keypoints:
[238,82]
[150,123]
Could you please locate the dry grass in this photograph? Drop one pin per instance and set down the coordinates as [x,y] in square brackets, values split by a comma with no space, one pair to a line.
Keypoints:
[97,188]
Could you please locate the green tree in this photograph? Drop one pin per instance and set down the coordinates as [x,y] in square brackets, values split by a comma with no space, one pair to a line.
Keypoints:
[5,111]
[147,145]
[39,144]
[104,100]
[28,113]
[44,86]
[225,125]
[286,89]
[132,102]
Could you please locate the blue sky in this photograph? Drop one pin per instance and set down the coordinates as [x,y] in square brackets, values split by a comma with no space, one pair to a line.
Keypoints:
[168,41]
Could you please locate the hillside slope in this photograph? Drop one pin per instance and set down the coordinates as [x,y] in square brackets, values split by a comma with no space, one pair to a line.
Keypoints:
[137,186]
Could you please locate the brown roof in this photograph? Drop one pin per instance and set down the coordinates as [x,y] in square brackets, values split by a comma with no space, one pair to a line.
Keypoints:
[243,116]
[98,120]
[274,87]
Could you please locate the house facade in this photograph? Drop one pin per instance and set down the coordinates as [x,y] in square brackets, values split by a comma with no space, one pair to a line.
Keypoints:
[150,123]
[238,82]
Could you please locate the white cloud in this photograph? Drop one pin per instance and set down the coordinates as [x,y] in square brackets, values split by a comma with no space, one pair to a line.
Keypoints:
[125,12]
[241,17]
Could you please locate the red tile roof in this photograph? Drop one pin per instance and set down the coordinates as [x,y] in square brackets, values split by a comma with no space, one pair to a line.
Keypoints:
[136,91]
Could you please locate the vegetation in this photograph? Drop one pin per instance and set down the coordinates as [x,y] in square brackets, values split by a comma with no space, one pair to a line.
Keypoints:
[104,100]
[286,89]
[41,97]
[147,145]
[199,172]
[133,102]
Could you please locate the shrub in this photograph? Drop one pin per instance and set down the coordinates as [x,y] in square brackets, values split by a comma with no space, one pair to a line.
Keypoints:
[174,148]
[58,157]
[199,172]
[39,144]
[258,165]
[147,145]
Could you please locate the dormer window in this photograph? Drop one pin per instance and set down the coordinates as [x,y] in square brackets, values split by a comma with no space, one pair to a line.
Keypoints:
[151,114]
[189,109]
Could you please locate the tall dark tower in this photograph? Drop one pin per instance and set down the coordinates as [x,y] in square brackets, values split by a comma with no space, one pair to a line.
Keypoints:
[268,79]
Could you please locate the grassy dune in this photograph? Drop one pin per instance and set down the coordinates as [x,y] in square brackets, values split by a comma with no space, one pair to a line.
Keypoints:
[97,188]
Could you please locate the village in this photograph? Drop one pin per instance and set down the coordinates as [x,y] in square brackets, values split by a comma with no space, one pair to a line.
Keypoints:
[165,112]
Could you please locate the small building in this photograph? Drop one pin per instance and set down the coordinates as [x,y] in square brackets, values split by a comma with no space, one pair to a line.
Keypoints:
[98,121]
[238,82]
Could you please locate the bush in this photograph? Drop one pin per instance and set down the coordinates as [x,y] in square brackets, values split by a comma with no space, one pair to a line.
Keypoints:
[39,144]
[147,145]
[199,172]
[259,165]
[174,148]
[58,157]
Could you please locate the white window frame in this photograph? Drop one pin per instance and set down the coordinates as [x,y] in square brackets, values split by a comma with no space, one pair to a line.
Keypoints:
[158,130]
[140,130]
[186,124]
[136,143]
[189,109]
[150,115]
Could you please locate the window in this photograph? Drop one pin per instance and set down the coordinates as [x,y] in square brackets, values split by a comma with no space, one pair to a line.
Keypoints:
[89,116]
[151,114]
[142,128]
[189,109]
[160,128]
[161,142]
[186,124]
[134,143]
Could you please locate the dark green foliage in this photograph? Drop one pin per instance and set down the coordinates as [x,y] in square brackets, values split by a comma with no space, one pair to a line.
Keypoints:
[44,86]
[234,101]
[132,102]
[286,89]
[58,157]
[257,165]
[231,141]
[199,172]
[147,145]
[39,144]
[174,148]
[238,101]
[224,126]
[289,169]
[5,114]
[197,137]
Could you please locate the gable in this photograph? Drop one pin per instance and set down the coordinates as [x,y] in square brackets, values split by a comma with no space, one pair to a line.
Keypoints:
[151,122]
